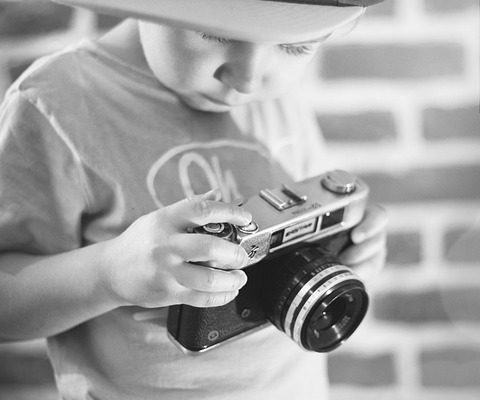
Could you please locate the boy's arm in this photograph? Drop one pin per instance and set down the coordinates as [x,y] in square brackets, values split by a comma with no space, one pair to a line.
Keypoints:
[44,295]
[41,200]
[154,263]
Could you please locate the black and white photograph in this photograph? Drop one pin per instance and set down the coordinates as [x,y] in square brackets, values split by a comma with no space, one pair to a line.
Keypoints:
[239,200]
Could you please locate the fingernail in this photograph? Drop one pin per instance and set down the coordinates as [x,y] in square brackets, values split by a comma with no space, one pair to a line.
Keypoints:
[248,217]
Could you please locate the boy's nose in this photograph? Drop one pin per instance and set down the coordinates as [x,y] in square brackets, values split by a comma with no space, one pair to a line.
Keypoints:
[246,68]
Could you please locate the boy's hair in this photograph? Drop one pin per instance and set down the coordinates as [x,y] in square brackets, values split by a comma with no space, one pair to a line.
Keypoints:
[276,21]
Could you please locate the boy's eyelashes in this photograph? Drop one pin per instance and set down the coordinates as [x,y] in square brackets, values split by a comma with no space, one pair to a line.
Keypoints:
[296,49]
[216,39]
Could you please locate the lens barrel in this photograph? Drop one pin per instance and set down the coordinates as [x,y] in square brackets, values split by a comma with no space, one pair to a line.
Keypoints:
[313,298]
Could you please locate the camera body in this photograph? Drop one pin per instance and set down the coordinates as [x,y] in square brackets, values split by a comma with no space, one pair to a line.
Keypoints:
[294,278]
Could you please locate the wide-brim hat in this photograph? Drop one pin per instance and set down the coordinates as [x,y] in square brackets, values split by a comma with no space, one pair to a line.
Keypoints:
[280,21]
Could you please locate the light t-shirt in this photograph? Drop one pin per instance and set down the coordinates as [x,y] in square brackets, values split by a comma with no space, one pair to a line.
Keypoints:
[89,144]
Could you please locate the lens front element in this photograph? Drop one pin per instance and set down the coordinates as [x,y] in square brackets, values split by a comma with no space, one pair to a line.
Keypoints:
[334,319]
[316,301]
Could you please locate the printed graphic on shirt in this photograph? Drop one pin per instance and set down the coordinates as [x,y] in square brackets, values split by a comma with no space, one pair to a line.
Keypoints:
[239,169]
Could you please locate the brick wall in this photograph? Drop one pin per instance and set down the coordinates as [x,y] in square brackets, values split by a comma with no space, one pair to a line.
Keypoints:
[398,101]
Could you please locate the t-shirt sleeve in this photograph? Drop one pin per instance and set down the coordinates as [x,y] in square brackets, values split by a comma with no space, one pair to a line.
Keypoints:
[42,193]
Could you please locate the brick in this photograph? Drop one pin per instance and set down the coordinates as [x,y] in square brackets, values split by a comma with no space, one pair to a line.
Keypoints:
[31,18]
[404,248]
[432,305]
[449,6]
[393,61]
[365,370]
[25,369]
[362,127]
[453,367]
[426,185]
[453,123]
[462,245]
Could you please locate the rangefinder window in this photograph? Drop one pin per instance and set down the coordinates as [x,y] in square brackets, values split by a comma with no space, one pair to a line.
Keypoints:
[332,218]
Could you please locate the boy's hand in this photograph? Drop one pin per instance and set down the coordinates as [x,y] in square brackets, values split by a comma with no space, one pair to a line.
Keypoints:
[368,252]
[157,263]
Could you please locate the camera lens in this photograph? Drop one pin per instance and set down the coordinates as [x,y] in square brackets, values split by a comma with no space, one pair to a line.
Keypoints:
[313,298]
[325,319]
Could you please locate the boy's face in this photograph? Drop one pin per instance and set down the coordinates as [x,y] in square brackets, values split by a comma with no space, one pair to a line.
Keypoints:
[211,73]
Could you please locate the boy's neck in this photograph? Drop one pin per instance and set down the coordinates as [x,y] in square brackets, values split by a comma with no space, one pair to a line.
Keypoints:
[123,42]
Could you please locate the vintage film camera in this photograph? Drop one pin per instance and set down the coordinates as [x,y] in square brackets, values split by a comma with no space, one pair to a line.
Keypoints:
[294,278]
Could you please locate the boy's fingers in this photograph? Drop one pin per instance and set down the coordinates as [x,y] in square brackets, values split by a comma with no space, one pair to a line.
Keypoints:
[203,209]
[206,299]
[367,249]
[219,253]
[213,194]
[369,269]
[374,221]
[206,279]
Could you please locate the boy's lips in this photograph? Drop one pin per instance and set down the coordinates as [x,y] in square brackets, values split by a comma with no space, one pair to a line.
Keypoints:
[220,102]
[229,99]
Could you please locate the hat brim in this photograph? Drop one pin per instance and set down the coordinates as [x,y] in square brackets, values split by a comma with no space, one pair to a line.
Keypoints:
[250,20]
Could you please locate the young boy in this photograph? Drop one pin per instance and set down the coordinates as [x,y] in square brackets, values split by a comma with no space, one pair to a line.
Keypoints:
[113,150]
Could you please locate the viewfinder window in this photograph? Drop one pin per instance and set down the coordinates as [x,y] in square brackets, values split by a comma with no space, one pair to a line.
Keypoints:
[277,239]
[332,218]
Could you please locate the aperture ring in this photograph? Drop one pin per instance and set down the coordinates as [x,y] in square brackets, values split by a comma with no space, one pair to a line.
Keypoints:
[335,269]
[297,312]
